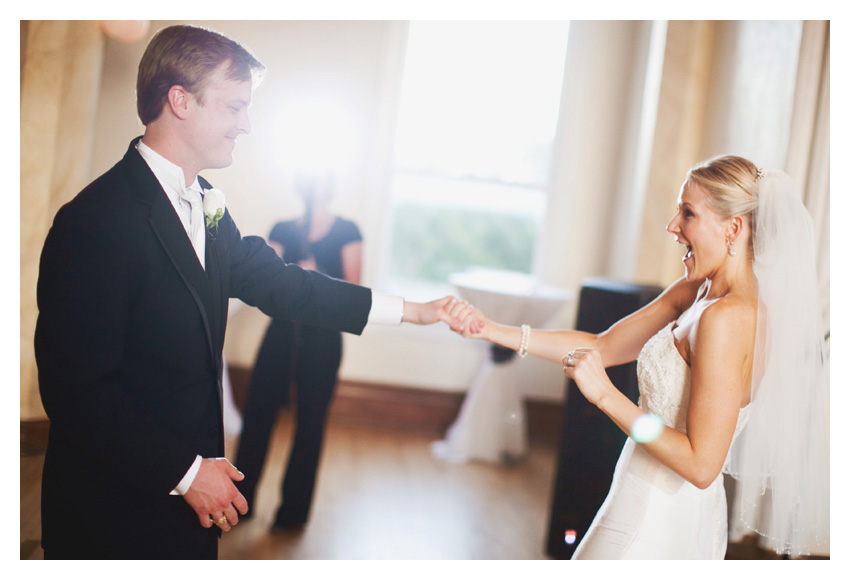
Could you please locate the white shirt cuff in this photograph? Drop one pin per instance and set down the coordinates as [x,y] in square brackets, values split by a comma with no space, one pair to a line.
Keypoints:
[187,480]
[386,309]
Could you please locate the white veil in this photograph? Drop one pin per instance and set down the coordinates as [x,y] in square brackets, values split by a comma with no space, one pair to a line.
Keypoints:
[781,459]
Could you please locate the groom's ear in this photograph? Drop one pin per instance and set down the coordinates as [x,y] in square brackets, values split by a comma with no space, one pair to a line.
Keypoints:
[179,101]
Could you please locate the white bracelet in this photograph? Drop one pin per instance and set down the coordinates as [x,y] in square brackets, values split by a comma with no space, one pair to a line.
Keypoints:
[523,343]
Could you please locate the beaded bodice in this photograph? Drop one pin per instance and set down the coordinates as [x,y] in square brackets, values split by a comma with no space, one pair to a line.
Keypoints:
[664,380]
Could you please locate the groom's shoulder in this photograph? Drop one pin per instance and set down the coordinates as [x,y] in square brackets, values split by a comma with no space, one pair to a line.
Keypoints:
[116,184]
[99,202]
[103,192]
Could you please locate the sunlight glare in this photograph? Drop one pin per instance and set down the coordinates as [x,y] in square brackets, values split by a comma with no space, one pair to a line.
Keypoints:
[316,134]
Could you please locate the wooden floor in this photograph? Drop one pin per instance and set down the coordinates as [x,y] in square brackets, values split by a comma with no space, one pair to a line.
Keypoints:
[381,495]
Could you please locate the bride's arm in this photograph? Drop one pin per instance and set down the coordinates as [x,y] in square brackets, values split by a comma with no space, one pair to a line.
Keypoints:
[618,345]
[720,362]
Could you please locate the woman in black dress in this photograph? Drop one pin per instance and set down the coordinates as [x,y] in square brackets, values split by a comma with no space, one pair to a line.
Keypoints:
[307,357]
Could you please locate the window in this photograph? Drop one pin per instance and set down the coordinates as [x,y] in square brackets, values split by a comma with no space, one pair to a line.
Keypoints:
[477,118]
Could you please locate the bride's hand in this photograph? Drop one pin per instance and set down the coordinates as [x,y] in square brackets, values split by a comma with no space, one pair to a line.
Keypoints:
[585,367]
[458,315]
[469,321]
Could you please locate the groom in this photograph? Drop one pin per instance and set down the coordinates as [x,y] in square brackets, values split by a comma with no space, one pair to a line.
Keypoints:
[133,292]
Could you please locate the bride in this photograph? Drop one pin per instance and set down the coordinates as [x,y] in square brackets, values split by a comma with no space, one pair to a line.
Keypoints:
[731,375]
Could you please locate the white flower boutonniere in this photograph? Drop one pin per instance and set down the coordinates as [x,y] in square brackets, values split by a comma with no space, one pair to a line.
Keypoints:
[213,207]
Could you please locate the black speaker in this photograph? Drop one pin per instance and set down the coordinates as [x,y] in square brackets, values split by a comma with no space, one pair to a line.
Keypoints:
[590,442]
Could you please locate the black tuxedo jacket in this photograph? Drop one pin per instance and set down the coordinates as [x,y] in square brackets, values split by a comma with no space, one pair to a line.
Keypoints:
[129,351]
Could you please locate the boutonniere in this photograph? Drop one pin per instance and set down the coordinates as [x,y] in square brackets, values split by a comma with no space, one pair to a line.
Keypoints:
[213,207]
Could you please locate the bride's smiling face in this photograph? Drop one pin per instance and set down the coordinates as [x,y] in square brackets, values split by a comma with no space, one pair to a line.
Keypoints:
[701,230]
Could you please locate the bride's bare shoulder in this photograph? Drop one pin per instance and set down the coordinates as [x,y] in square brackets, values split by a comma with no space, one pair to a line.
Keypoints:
[733,317]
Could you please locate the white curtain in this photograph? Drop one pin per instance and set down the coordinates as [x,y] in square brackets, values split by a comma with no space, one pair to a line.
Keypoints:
[808,149]
[807,161]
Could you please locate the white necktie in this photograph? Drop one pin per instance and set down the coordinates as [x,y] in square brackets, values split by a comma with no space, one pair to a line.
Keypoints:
[196,220]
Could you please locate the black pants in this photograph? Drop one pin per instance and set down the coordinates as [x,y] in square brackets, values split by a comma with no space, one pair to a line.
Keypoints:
[309,356]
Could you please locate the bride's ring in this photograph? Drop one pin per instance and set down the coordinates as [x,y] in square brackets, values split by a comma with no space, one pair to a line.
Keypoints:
[570,358]
[221,521]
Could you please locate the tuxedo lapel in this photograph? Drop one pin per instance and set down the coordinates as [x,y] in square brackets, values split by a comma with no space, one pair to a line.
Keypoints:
[170,232]
[216,278]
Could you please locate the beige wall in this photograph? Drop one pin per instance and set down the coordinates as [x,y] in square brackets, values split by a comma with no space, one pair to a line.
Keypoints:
[642,101]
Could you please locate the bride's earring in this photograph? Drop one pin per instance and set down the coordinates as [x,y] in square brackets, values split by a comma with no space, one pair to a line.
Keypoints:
[731,251]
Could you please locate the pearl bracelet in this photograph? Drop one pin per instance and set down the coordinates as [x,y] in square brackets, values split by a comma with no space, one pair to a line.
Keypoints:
[523,343]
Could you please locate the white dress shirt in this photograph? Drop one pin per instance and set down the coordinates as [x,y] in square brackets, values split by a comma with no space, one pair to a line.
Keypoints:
[173,182]
[386,309]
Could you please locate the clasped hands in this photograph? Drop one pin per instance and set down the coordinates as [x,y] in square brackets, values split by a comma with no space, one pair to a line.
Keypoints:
[585,367]
[213,495]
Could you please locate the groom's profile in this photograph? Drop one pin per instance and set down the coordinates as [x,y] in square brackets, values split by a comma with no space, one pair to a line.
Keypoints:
[133,292]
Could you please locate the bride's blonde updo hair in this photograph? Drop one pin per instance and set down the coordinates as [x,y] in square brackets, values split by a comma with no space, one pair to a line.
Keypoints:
[731,181]
[732,184]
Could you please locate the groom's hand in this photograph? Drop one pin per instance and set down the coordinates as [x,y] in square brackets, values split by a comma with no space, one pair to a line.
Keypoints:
[447,309]
[466,320]
[214,497]
[429,312]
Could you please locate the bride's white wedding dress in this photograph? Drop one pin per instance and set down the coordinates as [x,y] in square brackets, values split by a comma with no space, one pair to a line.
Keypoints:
[651,512]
